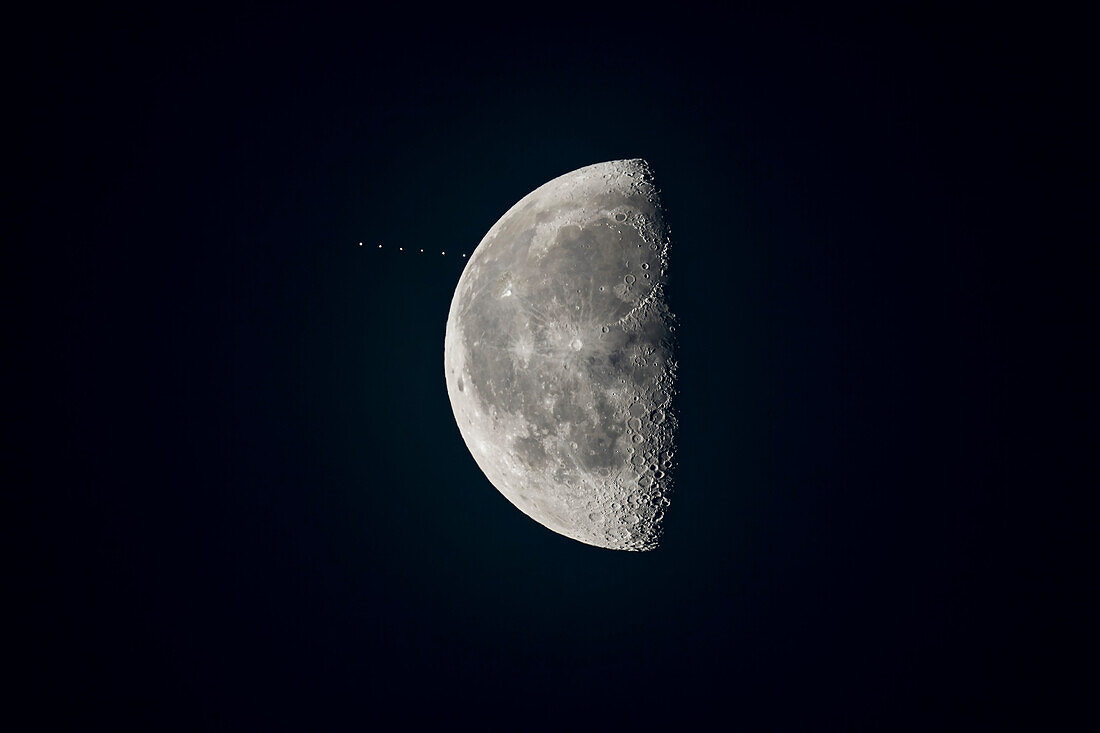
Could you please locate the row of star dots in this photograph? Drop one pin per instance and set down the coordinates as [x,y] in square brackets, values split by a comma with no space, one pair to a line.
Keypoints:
[402,249]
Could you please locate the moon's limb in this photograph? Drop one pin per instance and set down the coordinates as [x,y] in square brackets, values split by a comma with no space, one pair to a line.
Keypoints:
[559,360]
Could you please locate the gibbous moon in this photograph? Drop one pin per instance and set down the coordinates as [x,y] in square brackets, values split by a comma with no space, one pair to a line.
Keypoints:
[559,356]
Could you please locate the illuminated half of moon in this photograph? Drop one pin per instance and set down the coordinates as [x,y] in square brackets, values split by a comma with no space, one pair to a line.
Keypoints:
[559,356]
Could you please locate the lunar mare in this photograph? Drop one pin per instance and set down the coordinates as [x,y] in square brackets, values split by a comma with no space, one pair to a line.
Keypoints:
[559,356]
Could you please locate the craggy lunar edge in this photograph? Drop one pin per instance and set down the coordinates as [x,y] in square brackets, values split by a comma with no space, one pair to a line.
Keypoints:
[559,356]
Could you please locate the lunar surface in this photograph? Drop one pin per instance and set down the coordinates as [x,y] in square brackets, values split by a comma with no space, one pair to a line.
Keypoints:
[559,356]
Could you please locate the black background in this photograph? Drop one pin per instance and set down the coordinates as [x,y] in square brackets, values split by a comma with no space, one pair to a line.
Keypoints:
[248,503]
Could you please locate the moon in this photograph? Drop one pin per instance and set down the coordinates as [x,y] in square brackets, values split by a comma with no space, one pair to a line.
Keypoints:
[559,356]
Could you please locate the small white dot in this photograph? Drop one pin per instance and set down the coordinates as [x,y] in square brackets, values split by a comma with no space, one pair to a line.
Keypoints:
[442,253]
[421,250]
[400,249]
[379,246]
[360,244]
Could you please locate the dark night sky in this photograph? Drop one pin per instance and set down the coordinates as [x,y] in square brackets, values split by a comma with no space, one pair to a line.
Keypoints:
[248,504]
